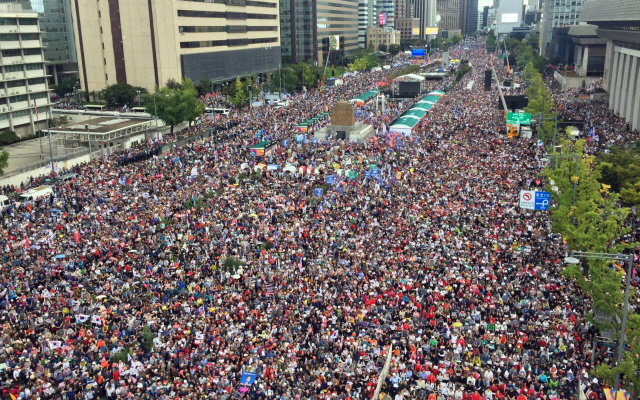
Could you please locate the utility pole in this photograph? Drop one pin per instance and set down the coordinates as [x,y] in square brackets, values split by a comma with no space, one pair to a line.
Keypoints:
[155,112]
[49,131]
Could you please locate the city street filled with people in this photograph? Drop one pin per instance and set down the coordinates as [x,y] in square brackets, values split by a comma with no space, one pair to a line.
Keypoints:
[115,285]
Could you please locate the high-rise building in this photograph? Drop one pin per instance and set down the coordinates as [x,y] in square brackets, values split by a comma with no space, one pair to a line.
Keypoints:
[409,28]
[388,8]
[319,23]
[59,43]
[469,16]
[557,14]
[450,12]
[485,16]
[146,43]
[508,15]
[24,100]
[366,19]
[425,11]
[298,31]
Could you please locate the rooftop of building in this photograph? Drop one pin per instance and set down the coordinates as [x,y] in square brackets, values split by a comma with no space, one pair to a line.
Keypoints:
[583,30]
[101,125]
[610,10]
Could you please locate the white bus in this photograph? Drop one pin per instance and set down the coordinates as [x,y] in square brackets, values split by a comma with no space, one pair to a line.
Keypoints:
[212,111]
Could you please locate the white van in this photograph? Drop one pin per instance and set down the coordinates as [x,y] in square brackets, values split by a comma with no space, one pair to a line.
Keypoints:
[4,202]
[36,193]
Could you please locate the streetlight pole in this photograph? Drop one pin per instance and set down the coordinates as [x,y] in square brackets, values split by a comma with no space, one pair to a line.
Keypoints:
[138,97]
[628,259]
[155,112]
[250,94]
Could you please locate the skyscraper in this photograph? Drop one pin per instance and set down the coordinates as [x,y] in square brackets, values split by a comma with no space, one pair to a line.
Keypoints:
[450,14]
[469,16]
[298,31]
[425,11]
[366,19]
[59,42]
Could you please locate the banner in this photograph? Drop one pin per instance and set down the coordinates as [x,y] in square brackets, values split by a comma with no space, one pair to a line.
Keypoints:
[246,380]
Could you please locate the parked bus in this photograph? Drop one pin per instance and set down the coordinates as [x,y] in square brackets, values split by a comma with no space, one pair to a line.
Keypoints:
[95,107]
[212,111]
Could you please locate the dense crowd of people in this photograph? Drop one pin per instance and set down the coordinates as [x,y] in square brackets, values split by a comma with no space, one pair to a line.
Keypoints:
[116,285]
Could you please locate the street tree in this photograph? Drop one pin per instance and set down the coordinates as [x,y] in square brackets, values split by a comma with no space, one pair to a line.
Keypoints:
[240,97]
[4,160]
[121,94]
[177,105]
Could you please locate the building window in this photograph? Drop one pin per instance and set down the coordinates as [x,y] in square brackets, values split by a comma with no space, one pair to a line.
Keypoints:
[15,99]
[40,95]
[224,14]
[28,21]
[8,21]
[34,67]
[35,81]
[30,36]
[13,84]
[19,114]
[12,68]
[32,52]
[11,53]
[229,42]
[9,37]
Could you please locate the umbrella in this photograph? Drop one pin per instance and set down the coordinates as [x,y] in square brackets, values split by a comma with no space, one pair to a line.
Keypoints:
[457,324]
[102,296]
[60,256]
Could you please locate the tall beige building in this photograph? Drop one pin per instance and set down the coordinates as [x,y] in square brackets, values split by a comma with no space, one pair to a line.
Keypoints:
[147,42]
[24,91]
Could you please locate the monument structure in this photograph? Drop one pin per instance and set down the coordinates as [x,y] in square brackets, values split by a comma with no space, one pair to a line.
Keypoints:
[344,125]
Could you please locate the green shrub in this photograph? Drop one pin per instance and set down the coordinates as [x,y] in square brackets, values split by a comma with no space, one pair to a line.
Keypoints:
[8,137]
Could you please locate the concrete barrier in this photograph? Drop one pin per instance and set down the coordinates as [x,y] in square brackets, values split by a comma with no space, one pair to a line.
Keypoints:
[17,179]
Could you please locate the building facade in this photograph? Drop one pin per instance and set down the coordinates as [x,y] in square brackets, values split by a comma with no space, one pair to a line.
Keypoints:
[618,21]
[298,31]
[366,19]
[450,14]
[469,17]
[557,14]
[425,11]
[336,18]
[58,39]
[509,14]
[389,8]
[378,36]
[409,28]
[24,91]
[146,43]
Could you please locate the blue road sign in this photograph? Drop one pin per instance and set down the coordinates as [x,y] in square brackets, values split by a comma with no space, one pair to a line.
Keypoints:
[542,200]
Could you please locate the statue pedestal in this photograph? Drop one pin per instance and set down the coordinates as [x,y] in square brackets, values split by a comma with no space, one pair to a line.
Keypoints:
[352,133]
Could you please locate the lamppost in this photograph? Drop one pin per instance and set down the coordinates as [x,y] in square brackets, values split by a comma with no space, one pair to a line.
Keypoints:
[137,91]
[155,112]
[628,259]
